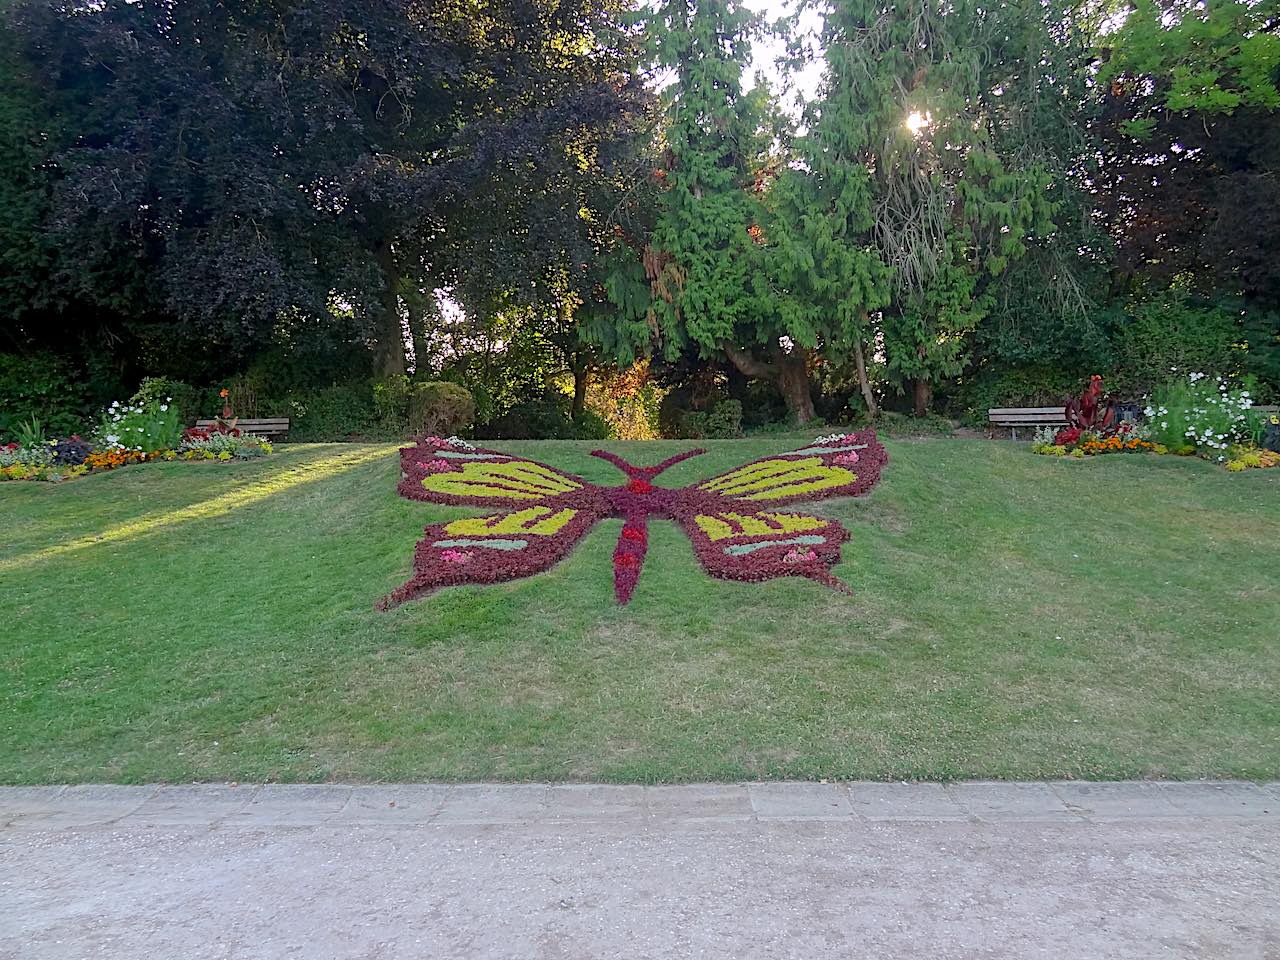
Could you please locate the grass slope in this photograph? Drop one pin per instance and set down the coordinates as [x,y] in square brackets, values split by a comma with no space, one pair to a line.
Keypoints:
[1014,617]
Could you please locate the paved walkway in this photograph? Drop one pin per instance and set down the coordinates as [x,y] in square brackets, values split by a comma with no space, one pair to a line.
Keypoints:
[971,870]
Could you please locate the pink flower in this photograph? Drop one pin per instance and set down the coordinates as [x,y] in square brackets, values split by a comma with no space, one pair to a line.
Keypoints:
[844,458]
[799,555]
[455,556]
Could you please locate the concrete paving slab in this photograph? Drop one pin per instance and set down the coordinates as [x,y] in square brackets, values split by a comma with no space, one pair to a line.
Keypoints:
[573,802]
[494,803]
[191,803]
[699,801]
[1010,801]
[79,806]
[1223,799]
[1116,801]
[15,800]
[800,801]
[302,804]
[394,803]
[905,801]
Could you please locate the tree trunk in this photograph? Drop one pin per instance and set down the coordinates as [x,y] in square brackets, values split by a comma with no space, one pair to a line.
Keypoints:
[580,377]
[788,373]
[388,351]
[869,398]
[924,396]
[793,381]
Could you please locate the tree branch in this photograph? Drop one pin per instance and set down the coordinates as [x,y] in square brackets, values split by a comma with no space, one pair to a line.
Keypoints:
[746,363]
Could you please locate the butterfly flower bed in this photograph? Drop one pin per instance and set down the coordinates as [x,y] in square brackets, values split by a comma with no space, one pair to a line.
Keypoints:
[732,520]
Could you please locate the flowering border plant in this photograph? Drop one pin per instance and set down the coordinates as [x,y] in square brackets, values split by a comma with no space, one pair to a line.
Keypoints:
[221,441]
[1128,437]
[147,426]
[1201,415]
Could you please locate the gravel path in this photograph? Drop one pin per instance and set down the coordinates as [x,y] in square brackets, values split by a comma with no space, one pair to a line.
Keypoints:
[971,870]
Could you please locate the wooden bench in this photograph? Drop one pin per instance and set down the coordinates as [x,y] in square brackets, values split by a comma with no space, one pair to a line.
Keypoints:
[1015,417]
[269,427]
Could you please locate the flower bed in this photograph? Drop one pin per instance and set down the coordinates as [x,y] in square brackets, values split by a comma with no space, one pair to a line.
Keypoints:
[1193,416]
[135,432]
[222,441]
[732,520]
[1072,442]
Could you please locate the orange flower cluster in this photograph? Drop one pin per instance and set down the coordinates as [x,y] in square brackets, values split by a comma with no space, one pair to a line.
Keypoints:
[110,459]
[1114,444]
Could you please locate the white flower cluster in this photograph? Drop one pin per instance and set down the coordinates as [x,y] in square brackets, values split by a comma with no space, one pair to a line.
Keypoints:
[830,438]
[115,438]
[459,443]
[1152,413]
[1206,420]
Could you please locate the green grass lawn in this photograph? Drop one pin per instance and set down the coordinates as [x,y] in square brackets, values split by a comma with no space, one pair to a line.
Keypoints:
[1014,616]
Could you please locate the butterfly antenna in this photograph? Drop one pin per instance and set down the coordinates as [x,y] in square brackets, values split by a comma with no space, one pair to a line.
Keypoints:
[645,472]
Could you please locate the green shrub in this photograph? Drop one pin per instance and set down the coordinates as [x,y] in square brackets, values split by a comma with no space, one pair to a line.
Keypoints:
[344,411]
[1030,386]
[429,408]
[545,417]
[722,422]
[893,424]
[1175,336]
[440,408]
[192,403]
[45,387]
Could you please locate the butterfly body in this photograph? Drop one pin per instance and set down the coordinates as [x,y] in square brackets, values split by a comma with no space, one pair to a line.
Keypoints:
[733,520]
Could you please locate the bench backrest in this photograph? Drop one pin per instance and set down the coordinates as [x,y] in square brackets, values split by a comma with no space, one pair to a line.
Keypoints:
[268,426]
[1027,416]
[1050,416]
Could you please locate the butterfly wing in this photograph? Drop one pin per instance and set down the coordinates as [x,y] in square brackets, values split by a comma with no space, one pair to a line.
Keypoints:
[739,534]
[736,542]
[846,465]
[547,513]
[454,472]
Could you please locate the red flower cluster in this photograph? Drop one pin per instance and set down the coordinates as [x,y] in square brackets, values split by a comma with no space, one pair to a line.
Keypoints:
[1067,436]
[205,433]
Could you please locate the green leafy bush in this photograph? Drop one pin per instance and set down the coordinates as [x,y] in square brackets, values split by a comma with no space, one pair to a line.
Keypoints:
[42,386]
[191,402]
[432,407]
[545,417]
[722,422]
[1030,386]
[1175,335]
[344,411]
[440,408]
